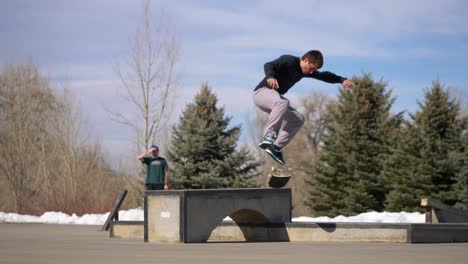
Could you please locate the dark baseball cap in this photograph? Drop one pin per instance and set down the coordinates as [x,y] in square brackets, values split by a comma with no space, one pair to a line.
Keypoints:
[155,147]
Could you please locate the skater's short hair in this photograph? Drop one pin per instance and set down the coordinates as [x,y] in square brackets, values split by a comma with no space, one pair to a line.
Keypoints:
[315,57]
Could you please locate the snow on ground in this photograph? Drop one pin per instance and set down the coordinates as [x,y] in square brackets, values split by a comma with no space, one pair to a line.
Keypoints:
[137,215]
[370,217]
[61,218]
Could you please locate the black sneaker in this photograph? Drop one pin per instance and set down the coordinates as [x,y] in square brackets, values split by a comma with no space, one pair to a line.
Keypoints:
[266,142]
[275,153]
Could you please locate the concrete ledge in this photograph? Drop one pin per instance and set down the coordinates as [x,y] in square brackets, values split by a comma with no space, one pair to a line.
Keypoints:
[312,232]
[127,229]
[343,232]
[318,232]
[348,232]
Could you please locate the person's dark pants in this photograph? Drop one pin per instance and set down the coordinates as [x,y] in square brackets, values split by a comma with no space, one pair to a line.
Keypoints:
[153,187]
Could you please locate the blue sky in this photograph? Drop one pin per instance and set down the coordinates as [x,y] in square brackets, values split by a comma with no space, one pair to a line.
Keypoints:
[407,43]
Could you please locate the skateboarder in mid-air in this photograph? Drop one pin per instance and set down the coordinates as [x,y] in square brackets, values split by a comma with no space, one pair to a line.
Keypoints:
[280,75]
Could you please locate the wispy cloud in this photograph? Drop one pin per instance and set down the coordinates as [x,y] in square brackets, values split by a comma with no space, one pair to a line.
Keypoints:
[257,28]
[357,28]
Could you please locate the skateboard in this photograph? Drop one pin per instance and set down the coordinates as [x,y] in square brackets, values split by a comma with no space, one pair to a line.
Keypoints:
[279,176]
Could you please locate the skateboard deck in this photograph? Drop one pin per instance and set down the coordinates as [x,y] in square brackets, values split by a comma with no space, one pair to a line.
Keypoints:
[279,176]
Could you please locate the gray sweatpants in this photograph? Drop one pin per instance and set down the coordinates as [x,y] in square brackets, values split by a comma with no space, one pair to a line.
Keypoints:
[279,110]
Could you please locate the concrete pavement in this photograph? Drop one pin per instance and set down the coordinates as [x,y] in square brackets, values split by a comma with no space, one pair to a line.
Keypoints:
[40,243]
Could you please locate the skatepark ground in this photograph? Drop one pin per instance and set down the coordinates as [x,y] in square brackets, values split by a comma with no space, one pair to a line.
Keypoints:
[45,243]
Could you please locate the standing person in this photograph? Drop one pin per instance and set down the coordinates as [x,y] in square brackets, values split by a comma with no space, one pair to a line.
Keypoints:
[280,75]
[157,171]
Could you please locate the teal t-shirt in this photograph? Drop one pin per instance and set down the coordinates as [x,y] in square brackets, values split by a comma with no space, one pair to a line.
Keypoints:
[155,169]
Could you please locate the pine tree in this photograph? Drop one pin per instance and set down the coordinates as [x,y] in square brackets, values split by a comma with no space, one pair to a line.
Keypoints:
[441,128]
[203,148]
[401,168]
[348,180]
[428,153]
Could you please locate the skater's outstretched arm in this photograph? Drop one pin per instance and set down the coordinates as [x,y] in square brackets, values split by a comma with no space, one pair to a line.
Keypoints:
[330,77]
[326,76]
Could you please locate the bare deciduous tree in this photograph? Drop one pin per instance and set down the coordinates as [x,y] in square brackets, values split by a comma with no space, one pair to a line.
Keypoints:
[149,79]
[316,110]
[22,91]
[67,136]
[46,160]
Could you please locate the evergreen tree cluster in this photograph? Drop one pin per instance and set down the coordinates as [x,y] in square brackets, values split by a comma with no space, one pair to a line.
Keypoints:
[372,159]
[434,147]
